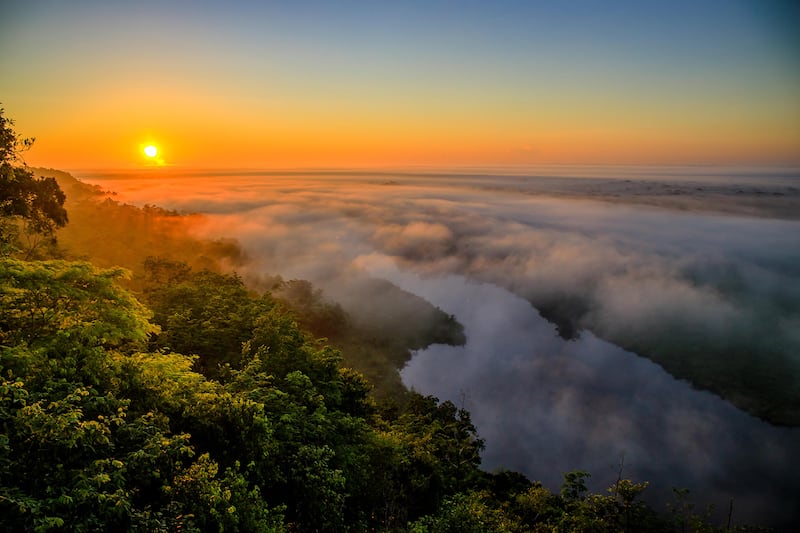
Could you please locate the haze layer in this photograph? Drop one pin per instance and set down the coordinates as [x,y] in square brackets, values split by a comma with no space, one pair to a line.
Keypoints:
[695,269]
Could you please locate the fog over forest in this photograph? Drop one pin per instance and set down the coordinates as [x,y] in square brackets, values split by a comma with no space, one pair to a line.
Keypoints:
[645,276]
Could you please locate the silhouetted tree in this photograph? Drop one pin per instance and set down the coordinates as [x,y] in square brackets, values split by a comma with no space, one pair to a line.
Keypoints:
[37,205]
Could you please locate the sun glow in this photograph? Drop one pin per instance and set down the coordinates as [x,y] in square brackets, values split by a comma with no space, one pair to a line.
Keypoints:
[150,151]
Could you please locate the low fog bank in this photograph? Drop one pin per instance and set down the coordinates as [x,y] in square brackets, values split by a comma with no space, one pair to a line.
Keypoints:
[547,406]
[713,298]
[766,192]
[705,289]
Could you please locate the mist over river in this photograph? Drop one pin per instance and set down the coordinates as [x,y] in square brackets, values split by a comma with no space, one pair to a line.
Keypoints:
[547,406]
[672,298]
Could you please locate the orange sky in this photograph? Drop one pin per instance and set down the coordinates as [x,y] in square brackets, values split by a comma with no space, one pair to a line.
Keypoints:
[389,86]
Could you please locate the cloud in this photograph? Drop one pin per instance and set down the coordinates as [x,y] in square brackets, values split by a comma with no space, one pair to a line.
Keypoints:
[548,406]
[683,268]
[656,280]
[419,240]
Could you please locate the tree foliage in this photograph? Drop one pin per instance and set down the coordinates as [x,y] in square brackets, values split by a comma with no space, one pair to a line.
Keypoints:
[102,429]
[37,205]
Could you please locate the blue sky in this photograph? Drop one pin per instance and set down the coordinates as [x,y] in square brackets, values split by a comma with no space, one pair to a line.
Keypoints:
[597,74]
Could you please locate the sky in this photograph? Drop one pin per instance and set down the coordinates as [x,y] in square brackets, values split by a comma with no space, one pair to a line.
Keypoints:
[400,84]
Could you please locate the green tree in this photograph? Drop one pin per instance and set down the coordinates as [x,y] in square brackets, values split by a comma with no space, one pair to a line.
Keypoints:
[203,313]
[94,432]
[312,311]
[45,302]
[471,512]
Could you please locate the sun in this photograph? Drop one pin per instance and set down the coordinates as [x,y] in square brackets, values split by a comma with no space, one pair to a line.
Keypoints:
[150,151]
